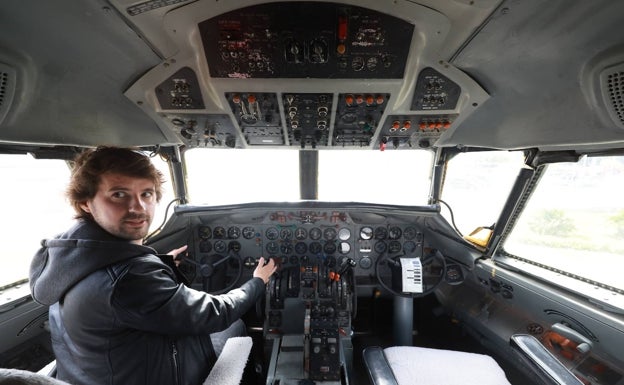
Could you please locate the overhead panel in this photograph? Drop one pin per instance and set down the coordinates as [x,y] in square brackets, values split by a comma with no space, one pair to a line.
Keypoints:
[306,40]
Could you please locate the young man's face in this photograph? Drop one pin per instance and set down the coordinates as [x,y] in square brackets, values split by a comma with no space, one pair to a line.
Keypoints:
[124,206]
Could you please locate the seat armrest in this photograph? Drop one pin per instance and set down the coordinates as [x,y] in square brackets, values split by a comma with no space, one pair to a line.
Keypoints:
[377,366]
[230,366]
[542,361]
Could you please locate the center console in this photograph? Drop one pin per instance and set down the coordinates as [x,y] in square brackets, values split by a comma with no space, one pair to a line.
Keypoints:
[308,323]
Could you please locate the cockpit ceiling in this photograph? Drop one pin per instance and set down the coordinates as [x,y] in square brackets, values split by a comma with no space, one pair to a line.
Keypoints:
[365,74]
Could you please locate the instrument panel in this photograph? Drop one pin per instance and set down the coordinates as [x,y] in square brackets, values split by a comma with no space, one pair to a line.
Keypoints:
[328,258]
[331,239]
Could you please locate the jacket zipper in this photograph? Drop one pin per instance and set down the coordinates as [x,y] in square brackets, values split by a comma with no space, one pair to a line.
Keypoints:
[176,368]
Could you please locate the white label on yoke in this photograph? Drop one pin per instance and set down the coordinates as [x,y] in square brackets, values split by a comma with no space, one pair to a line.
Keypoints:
[411,271]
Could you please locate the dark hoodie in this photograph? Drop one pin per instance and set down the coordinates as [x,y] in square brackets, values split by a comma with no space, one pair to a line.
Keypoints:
[118,314]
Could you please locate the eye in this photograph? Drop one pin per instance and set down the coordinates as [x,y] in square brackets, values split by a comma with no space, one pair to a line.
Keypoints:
[148,194]
[119,194]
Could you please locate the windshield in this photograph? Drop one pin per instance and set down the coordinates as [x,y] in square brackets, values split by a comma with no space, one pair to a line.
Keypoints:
[218,177]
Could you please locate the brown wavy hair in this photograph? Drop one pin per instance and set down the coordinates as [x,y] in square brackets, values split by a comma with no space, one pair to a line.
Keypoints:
[92,163]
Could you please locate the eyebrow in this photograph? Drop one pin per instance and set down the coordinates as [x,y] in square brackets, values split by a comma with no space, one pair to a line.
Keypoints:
[123,188]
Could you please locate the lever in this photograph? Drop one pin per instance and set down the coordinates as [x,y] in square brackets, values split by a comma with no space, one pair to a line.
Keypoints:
[346,264]
[584,344]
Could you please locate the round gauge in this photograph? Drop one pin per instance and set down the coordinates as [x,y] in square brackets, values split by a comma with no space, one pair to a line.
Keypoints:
[220,246]
[250,263]
[204,232]
[315,248]
[219,232]
[371,63]
[358,63]
[410,233]
[380,247]
[234,232]
[452,274]
[272,233]
[235,246]
[366,263]
[205,246]
[366,233]
[301,234]
[286,233]
[394,232]
[301,248]
[329,233]
[344,247]
[315,233]
[394,247]
[248,232]
[329,248]
[344,234]
[381,233]
[409,247]
[455,276]
[286,248]
[272,247]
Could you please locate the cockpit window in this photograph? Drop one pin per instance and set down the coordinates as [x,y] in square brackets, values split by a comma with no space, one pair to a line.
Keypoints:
[476,187]
[386,177]
[34,208]
[574,221]
[219,177]
[242,176]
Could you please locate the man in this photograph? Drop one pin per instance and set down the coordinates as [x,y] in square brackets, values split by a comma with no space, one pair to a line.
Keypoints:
[118,313]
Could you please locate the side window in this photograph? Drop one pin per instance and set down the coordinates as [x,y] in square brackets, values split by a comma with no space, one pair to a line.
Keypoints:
[34,208]
[574,221]
[476,187]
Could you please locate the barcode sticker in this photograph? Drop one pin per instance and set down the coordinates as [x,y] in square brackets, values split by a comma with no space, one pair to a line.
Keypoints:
[411,270]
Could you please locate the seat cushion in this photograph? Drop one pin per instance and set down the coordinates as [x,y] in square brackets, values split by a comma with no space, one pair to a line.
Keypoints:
[415,366]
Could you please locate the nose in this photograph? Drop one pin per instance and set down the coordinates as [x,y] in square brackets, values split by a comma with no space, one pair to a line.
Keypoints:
[137,204]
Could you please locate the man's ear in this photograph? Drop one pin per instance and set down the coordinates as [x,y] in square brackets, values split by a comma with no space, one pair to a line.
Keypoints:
[85,207]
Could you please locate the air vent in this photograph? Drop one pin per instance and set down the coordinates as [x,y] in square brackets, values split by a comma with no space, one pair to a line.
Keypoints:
[612,86]
[7,89]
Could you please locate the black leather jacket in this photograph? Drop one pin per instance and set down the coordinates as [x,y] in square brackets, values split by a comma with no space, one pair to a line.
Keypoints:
[118,314]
